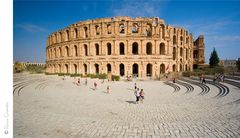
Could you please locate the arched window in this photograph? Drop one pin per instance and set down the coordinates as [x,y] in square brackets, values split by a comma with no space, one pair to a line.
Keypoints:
[121,29]
[60,52]
[109,48]
[76,32]
[67,51]
[85,68]
[181,51]
[67,35]
[121,69]
[97,30]
[75,68]
[86,50]
[195,54]
[75,51]
[174,68]
[174,40]
[149,48]
[109,69]
[86,32]
[149,70]
[55,53]
[174,53]
[149,30]
[135,48]
[97,49]
[109,29]
[186,67]
[181,39]
[162,68]
[135,69]
[60,36]
[66,68]
[96,68]
[135,28]
[121,49]
[162,49]
[174,30]
[163,30]
[181,68]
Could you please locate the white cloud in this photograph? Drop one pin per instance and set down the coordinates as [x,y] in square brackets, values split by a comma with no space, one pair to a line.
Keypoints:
[31,28]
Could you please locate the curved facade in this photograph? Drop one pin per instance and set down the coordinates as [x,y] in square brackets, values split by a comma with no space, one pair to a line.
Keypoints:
[122,46]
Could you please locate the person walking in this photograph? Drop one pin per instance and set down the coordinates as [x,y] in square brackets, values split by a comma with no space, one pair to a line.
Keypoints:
[135,86]
[108,89]
[78,82]
[141,95]
[95,85]
[86,81]
[137,94]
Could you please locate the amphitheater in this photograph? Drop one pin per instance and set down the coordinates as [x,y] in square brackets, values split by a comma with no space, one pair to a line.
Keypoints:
[48,106]
[124,46]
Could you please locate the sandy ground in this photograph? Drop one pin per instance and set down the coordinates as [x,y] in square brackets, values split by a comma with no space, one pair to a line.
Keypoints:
[47,106]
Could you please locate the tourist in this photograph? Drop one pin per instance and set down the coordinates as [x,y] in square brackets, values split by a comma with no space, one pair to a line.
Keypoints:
[141,95]
[86,81]
[174,80]
[136,93]
[203,80]
[95,85]
[135,86]
[78,82]
[108,89]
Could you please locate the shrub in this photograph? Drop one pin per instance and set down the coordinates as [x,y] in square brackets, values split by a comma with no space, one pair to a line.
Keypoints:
[75,75]
[63,74]
[35,69]
[186,73]
[115,77]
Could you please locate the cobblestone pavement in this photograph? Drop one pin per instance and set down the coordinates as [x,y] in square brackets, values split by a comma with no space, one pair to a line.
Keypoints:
[47,106]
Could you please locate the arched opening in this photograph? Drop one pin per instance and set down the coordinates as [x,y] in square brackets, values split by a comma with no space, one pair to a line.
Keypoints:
[96,68]
[109,29]
[97,49]
[109,69]
[195,66]
[186,67]
[163,30]
[174,53]
[121,49]
[186,53]
[67,51]
[60,36]
[86,32]
[135,69]
[109,48]
[181,39]
[66,68]
[60,52]
[85,68]
[86,50]
[149,30]
[181,68]
[149,70]
[75,51]
[121,69]
[135,48]
[67,35]
[174,40]
[97,30]
[174,30]
[135,28]
[121,29]
[181,51]
[75,68]
[59,68]
[76,32]
[195,54]
[149,48]
[162,49]
[174,68]
[162,68]
[55,53]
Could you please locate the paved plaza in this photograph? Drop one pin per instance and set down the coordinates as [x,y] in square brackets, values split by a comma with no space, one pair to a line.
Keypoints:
[46,106]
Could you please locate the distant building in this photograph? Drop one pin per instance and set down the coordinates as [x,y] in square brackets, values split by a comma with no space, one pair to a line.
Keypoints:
[32,64]
[228,63]
[198,52]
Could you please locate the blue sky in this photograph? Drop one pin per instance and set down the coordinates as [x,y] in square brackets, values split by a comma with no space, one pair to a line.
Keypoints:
[218,21]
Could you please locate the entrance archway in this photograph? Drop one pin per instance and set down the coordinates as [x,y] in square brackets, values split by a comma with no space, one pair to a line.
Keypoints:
[96,68]
[85,68]
[162,68]
[149,70]
[121,69]
[75,68]
[135,69]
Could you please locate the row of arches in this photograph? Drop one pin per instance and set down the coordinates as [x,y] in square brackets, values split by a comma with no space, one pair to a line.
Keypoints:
[135,69]
[98,29]
[65,51]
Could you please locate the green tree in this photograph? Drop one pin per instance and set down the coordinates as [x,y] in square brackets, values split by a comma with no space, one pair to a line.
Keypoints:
[238,64]
[214,59]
